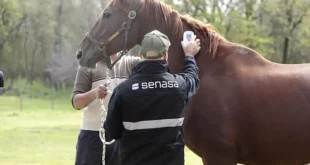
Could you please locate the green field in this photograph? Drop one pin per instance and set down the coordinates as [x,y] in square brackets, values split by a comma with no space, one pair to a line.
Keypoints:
[41,136]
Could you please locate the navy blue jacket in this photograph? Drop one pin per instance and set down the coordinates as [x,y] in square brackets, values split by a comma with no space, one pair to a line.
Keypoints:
[146,113]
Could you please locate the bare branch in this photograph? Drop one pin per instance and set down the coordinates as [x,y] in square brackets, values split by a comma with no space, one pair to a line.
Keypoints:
[300,19]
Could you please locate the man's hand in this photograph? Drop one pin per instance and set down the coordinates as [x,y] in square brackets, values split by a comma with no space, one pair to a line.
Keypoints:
[191,48]
[101,92]
[81,100]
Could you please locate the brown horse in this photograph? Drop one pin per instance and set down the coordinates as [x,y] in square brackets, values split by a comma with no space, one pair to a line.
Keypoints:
[248,110]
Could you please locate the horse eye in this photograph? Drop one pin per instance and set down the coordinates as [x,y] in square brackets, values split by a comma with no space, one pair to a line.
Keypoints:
[106,15]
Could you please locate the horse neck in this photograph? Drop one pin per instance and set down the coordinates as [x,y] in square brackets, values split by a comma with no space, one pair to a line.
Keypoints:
[205,60]
[176,53]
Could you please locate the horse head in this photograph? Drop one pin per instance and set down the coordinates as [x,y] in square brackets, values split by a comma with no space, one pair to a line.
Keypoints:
[116,29]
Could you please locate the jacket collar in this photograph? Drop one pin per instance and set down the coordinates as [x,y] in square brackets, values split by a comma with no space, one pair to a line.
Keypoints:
[151,67]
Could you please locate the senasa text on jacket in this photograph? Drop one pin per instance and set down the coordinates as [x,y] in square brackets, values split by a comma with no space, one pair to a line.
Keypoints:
[156,84]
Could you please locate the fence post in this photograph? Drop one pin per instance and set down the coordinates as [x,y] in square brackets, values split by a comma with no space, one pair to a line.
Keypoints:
[20,92]
[52,98]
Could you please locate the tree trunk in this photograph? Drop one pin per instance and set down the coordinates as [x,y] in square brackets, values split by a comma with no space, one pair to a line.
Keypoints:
[286,39]
[57,44]
[31,72]
[261,13]
[25,48]
[285,50]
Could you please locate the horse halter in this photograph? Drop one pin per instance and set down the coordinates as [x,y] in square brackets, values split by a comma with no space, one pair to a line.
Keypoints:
[125,27]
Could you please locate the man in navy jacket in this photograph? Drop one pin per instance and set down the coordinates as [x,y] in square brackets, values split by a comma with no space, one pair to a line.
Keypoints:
[146,111]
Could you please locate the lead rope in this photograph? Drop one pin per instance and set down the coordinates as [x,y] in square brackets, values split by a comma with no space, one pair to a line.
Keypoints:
[103,117]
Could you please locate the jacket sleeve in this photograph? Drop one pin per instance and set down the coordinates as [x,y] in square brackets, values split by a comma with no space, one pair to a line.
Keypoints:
[113,124]
[191,77]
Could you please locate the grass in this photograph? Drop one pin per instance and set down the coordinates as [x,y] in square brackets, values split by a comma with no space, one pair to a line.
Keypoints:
[41,136]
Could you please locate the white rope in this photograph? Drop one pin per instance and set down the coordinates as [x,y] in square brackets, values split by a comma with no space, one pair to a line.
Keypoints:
[103,116]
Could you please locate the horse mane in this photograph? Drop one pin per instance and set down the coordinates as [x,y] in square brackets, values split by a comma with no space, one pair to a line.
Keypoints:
[164,14]
[206,32]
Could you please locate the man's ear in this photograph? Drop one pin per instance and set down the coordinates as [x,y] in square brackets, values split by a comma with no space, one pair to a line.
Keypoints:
[166,57]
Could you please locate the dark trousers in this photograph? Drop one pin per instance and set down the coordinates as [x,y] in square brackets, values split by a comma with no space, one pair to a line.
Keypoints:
[89,150]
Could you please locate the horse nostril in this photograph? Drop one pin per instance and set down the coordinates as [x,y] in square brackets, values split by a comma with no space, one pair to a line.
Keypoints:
[79,55]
